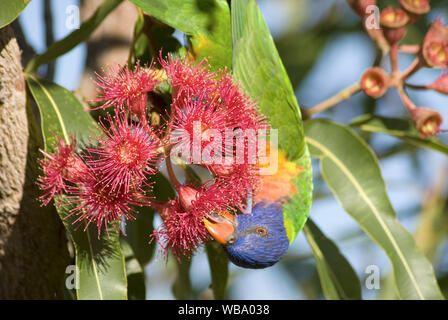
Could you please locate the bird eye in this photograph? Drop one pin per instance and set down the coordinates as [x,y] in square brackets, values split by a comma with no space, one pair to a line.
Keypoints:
[261,231]
[231,239]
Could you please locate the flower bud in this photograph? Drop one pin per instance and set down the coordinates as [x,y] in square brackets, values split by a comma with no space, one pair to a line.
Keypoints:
[394,22]
[187,195]
[427,121]
[415,6]
[435,45]
[392,18]
[440,85]
[374,82]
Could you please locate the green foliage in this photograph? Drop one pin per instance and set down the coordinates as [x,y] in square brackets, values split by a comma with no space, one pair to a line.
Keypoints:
[400,128]
[337,277]
[100,260]
[351,170]
[139,231]
[182,289]
[11,11]
[63,46]
[134,273]
[207,23]
[219,269]
[258,67]
[150,37]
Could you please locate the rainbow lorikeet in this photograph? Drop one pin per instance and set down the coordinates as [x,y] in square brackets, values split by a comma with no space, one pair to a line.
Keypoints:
[258,238]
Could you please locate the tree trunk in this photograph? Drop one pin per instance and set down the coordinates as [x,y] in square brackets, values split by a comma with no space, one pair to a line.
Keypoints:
[33,243]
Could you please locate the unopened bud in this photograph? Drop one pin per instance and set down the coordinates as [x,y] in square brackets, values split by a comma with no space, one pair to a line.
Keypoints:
[374,82]
[415,6]
[435,45]
[393,18]
[428,121]
[187,195]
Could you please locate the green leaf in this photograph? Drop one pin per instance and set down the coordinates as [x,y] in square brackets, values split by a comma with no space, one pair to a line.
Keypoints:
[219,269]
[138,235]
[207,22]
[182,289]
[337,277]
[100,261]
[399,128]
[11,10]
[61,113]
[139,231]
[351,170]
[134,273]
[152,36]
[78,36]
[258,67]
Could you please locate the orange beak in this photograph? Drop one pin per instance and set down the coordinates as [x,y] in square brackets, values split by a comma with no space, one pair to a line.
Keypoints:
[221,231]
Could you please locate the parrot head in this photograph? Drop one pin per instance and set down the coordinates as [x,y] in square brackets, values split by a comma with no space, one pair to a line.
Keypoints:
[253,240]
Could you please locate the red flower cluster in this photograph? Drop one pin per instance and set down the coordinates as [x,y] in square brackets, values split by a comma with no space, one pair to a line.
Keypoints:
[212,123]
[105,181]
[213,110]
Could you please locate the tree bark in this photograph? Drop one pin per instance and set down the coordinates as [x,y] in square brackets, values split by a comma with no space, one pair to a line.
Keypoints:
[33,243]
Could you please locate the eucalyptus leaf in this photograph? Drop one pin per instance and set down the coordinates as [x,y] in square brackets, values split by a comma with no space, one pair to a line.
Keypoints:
[351,170]
[400,128]
[134,273]
[139,231]
[11,11]
[207,22]
[182,289]
[337,277]
[219,269]
[99,260]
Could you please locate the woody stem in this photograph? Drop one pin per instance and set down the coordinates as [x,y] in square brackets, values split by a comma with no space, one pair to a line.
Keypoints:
[332,101]
[169,168]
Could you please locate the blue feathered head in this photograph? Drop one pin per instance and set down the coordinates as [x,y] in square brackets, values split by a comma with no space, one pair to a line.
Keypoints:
[252,240]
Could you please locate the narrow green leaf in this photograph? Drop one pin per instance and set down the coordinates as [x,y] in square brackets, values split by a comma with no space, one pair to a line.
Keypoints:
[351,170]
[258,67]
[61,113]
[139,231]
[134,273]
[219,269]
[100,261]
[138,235]
[337,277]
[11,10]
[207,22]
[63,46]
[399,128]
[182,289]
